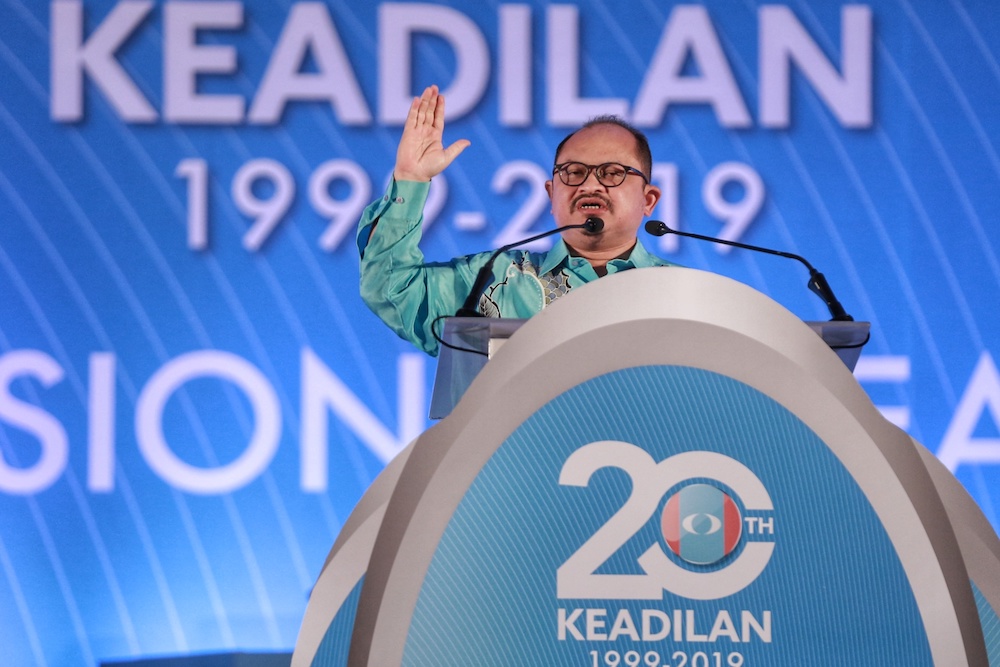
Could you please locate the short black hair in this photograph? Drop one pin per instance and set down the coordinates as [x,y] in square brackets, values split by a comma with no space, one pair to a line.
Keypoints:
[641,142]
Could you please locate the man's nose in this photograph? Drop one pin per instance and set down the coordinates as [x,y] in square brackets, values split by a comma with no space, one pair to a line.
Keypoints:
[591,174]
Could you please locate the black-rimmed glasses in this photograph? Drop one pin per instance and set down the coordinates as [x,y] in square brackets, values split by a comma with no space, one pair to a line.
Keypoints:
[609,174]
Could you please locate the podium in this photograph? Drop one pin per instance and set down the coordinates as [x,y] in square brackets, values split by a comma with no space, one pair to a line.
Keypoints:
[469,342]
[663,468]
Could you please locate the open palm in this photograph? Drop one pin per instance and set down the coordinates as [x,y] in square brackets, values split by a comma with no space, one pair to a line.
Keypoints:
[421,154]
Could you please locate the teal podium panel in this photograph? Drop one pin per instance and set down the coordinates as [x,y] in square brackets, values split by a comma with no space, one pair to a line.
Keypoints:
[664,468]
[685,515]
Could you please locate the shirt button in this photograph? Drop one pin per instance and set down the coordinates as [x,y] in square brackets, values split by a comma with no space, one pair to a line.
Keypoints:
[385,198]
[398,200]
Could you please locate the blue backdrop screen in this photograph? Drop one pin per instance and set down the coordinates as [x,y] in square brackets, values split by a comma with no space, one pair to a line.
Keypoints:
[193,396]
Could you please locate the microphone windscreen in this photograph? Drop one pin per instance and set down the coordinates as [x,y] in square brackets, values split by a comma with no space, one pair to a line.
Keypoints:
[656,228]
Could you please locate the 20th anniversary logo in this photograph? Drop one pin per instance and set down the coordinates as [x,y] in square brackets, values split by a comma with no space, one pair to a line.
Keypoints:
[715,522]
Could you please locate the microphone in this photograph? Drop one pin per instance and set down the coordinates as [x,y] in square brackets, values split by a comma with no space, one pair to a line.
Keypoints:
[817,281]
[470,308]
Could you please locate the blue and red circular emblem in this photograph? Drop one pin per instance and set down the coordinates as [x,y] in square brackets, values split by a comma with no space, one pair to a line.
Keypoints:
[701,524]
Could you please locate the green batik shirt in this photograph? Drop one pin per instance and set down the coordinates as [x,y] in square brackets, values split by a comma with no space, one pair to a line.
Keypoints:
[409,294]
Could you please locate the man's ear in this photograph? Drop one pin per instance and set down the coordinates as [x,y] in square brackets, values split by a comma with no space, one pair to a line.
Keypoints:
[652,196]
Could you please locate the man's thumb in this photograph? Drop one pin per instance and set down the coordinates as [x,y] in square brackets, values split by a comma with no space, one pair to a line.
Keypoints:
[456,148]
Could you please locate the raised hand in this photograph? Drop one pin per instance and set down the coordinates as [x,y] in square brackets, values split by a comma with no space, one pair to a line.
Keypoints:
[421,154]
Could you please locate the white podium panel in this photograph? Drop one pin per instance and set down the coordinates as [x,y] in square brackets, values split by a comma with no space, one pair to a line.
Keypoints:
[663,468]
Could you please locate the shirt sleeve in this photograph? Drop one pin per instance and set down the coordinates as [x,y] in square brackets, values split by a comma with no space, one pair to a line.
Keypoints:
[407,293]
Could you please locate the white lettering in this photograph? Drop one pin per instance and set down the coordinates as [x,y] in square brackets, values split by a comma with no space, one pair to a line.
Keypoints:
[623,625]
[184,59]
[723,627]
[101,423]
[568,623]
[310,29]
[50,433]
[689,626]
[783,40]
[982,394]
[219,479]
[656,626]
[689,31]
[761,629]
[397,23]
[595,624]
[322,392]
[310,34]
[650,615]
[72,58]
[758,525]
[562,72]
[515,79]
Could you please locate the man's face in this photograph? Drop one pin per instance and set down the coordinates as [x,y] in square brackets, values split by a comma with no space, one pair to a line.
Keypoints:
[622,207]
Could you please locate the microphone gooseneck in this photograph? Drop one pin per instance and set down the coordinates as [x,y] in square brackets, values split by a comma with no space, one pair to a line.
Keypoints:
[817,281]
[593,225]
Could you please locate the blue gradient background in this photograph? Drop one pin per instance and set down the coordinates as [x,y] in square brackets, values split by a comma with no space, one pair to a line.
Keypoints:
[900,216]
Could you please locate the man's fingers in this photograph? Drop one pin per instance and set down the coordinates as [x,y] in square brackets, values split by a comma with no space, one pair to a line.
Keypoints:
[428,104]
[420,154]
[422,110]
[439,113]
[411,116]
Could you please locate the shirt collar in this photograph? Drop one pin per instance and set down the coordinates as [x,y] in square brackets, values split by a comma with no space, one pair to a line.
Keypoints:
[555,257]
[639,257]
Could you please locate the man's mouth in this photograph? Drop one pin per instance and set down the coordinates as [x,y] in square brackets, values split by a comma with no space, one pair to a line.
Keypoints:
[592,206]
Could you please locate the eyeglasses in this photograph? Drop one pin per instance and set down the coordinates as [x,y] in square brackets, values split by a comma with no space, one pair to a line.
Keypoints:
[609,174]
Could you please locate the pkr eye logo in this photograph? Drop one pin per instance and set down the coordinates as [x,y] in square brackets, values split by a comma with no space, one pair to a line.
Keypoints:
[701,524]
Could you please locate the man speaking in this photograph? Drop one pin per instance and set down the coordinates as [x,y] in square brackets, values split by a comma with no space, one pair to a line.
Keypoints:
[601,171]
